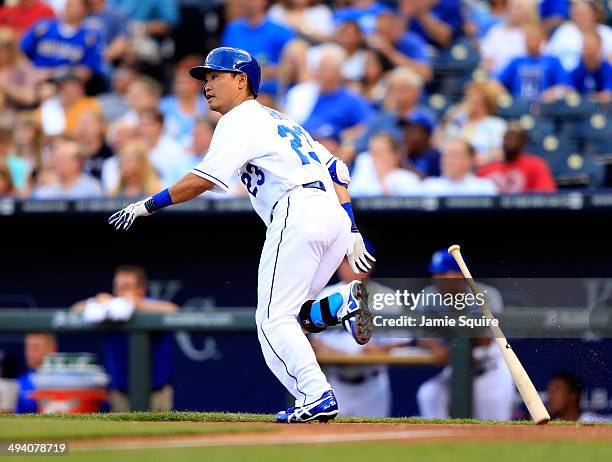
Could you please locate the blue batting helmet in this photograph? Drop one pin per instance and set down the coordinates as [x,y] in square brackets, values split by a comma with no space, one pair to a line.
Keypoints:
[230,60]
[442,262]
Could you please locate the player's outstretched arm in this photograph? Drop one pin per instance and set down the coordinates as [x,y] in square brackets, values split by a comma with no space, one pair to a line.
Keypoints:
[185,189]
[357,254]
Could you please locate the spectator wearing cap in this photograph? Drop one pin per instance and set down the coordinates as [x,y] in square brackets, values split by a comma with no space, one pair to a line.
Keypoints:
[17,83]
[363,12]
[563,393]
[566,41]
[493,388]
[518,172]
[61,114]
[535,76]
[400,46]
[420,154]
[401,102]
[457,177]
[309,19]
[185,104]
[593,75]
[438,22]
[327,105]
[474,120]
[70,182]
[379,172]
[54,45]
[110,23]
[24,14]
[258,35]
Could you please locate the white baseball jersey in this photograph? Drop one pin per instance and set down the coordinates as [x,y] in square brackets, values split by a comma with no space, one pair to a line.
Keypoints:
[270,153]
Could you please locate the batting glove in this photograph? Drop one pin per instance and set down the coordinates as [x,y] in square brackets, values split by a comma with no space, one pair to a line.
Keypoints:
[358,255]
[123,219]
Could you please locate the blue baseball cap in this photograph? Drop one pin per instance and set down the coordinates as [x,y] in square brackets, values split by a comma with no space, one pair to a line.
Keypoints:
[442,262]
[418,118]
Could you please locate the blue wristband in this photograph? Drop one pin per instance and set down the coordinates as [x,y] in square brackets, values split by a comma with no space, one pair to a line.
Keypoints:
[348,208]
[158,201]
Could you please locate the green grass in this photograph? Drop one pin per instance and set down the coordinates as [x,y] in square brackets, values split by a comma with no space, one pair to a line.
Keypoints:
[379,452]
[228,417]
[28,428]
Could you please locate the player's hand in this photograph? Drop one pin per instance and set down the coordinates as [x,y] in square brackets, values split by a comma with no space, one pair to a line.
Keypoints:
[358,255]
[123,219]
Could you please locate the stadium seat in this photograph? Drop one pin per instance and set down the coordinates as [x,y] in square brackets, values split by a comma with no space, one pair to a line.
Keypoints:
[552,148]
[568,166]
[509,107]
[462,56]
[537,128]
[575,170]
[438,103]
[593,131]
[573,106]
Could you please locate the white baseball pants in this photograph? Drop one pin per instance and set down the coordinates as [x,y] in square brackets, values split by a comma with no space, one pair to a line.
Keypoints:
[305,243]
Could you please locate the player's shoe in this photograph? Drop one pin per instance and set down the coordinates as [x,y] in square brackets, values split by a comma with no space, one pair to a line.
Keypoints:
[354,314]
[323,409]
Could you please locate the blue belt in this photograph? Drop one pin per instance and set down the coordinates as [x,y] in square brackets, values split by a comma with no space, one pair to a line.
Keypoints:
[315,184]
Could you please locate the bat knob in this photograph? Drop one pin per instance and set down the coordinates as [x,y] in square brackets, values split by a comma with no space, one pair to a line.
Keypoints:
[453,248]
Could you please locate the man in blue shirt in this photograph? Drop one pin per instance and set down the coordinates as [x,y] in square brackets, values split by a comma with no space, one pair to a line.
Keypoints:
[593,75]
[535,76]
[363,12]
[259,36]
[37,346]
[438,22]
[131,282]
[56,44]
[336,109]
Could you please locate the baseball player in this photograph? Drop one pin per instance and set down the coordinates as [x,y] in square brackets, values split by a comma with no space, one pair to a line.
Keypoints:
[300,192]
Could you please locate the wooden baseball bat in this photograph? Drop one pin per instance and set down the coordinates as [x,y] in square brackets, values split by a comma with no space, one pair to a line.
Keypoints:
[523,383]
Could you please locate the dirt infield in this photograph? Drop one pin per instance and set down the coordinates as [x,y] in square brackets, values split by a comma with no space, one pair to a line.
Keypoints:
[278,434]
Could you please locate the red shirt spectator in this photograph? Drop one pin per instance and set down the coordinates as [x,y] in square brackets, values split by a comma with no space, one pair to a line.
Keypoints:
[24,15]
[519,172]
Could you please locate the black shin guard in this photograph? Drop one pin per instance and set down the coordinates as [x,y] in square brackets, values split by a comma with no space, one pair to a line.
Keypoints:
[305,317]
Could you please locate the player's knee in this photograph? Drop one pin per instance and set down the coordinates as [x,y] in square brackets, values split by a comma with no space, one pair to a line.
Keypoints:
[316,316]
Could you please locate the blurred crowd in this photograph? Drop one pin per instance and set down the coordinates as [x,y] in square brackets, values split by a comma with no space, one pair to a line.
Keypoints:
[418,97]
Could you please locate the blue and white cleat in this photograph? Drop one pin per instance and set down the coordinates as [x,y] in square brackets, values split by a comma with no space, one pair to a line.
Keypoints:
[354,314]
[323,409]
